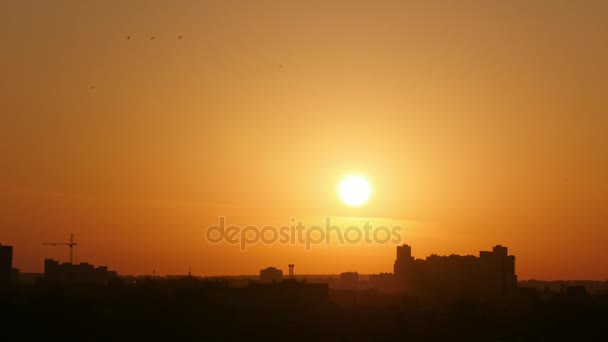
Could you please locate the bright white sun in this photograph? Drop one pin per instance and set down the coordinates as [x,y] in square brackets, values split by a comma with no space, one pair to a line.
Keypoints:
[354,190]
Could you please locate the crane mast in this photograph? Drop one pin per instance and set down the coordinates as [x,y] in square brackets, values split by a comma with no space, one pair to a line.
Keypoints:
[70,244]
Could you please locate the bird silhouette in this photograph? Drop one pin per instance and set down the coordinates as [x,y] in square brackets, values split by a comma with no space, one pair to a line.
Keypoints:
[152,37]
[180,37]
[92,88]
[129,37]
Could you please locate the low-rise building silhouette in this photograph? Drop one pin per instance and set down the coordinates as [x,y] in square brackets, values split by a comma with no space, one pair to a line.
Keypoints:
[271,275]
[349,280]
[383,282]
[491,275]
[54,272]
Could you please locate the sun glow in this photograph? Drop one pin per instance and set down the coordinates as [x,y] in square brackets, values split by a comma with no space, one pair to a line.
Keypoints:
[354,190]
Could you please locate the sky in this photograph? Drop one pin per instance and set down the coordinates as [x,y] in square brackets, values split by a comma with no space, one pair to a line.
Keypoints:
[476,123]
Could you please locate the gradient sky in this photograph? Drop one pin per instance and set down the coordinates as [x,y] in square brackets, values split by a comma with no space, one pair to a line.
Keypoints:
[477,123]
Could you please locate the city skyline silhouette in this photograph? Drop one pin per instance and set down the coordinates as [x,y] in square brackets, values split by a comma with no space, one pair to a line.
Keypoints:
[339,170]
[475,124]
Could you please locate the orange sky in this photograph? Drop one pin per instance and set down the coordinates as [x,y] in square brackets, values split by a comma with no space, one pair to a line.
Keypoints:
[477,123]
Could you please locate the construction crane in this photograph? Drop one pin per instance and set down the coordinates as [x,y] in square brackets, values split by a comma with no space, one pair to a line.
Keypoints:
[70,244]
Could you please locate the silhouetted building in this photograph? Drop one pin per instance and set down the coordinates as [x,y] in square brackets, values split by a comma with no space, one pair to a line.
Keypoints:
[80,273]
[349,280]
[271,275]
[383,282]
[491,275]
[6,265]
[15,276]
[349,277]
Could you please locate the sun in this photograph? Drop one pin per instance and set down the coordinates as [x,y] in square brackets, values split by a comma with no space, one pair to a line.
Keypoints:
[354,190]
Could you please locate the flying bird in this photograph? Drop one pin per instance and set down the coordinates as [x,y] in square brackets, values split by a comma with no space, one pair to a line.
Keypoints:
[92,88]
[180,37]
[152,37]
[129,37]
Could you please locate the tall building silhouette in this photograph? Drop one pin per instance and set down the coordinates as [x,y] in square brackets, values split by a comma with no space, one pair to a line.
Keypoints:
[6,264]
[491,275]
